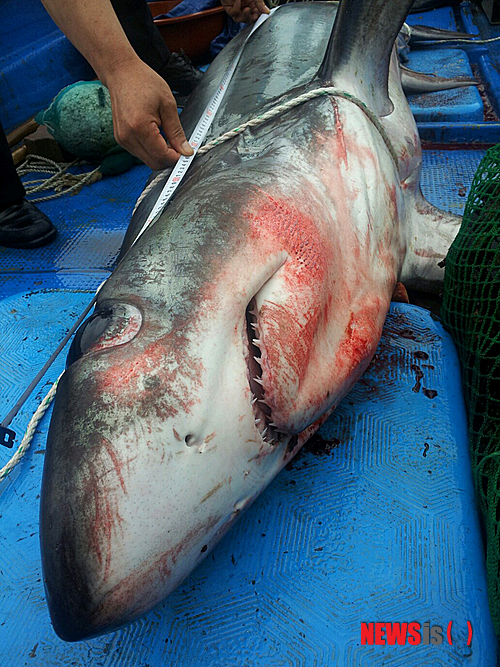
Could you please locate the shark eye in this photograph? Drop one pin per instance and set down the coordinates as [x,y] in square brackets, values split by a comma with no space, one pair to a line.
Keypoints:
[110,326]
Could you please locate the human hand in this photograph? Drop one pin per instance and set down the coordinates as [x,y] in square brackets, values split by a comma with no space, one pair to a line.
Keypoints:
[142,105]
[245,11]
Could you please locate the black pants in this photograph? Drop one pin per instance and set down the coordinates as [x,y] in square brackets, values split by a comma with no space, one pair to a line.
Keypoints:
[137,22]
[11,188]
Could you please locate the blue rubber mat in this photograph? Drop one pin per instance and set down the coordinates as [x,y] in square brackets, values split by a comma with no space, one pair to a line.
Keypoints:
[447,176]
[376,524]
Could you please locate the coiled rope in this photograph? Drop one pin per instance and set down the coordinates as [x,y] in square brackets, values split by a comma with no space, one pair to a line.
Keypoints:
[61,181]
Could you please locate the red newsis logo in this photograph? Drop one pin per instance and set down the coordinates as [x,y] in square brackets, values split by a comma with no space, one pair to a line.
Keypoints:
[407,633]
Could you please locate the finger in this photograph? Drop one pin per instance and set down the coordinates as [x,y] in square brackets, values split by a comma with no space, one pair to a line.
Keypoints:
[159,153]
[262,7]
[167,159]
[149,146]
[235,11]
[245,14]
[172,127]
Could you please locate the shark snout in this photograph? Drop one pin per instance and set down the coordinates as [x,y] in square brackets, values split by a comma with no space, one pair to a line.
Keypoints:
[131,500]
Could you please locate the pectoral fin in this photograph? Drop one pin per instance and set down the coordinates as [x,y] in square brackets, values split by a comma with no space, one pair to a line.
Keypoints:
[430,235]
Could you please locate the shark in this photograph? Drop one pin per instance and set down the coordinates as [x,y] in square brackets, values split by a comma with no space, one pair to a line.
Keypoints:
[232,328]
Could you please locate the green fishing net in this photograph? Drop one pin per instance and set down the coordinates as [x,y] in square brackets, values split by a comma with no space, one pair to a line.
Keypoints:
[81,121]
[471,312]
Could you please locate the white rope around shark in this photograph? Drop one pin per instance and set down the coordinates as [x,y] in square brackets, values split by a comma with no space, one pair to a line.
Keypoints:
[30,432]
[278,110]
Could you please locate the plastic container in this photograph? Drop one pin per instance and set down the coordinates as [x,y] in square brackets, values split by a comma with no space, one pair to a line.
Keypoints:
[193,32]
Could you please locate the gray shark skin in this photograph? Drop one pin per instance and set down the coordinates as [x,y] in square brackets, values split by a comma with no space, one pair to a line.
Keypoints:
[234,326]
[415,83]
[424,33]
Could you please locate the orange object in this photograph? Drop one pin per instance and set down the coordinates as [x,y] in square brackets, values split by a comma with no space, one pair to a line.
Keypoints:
[193,32]
[400,294]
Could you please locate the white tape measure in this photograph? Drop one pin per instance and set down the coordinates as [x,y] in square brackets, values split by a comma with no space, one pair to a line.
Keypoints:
[7,436]
[199,134]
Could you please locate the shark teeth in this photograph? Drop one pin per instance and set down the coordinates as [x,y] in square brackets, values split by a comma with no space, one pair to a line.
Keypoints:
[256,358]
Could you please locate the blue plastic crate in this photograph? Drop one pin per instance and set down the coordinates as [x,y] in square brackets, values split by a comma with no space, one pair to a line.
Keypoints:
[460,104]
[443,18]
[36,61]
[487,55]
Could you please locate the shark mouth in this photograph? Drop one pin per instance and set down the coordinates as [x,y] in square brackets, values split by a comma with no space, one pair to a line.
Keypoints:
[256,351]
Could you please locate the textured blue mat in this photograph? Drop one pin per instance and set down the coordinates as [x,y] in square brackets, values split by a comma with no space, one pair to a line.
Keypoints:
[379,525]
[462,104]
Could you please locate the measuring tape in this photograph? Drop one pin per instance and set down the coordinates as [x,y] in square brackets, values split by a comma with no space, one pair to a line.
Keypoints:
[199,134]
[7,435]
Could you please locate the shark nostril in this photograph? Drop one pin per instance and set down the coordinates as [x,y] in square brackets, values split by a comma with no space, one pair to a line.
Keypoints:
[190,440]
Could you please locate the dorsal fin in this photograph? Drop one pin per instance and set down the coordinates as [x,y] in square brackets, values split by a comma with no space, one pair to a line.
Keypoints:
[359,48]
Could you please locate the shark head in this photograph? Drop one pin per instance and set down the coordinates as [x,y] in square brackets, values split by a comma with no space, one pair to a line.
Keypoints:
[214,347]
[185,393]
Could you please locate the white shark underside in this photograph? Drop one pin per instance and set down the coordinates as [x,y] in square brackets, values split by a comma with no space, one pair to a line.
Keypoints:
[235,324]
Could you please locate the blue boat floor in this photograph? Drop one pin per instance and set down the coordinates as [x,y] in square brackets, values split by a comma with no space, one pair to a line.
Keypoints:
[379,527]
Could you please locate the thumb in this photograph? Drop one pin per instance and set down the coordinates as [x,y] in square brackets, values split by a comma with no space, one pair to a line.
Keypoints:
[172,127]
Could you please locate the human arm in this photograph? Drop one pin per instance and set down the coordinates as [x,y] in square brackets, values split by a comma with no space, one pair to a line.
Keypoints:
[141,100]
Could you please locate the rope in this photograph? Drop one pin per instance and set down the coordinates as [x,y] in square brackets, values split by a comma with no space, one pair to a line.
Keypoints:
[61,181]
[148,189]
[254,122]
[30,432]
[277,111]
[282,108]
